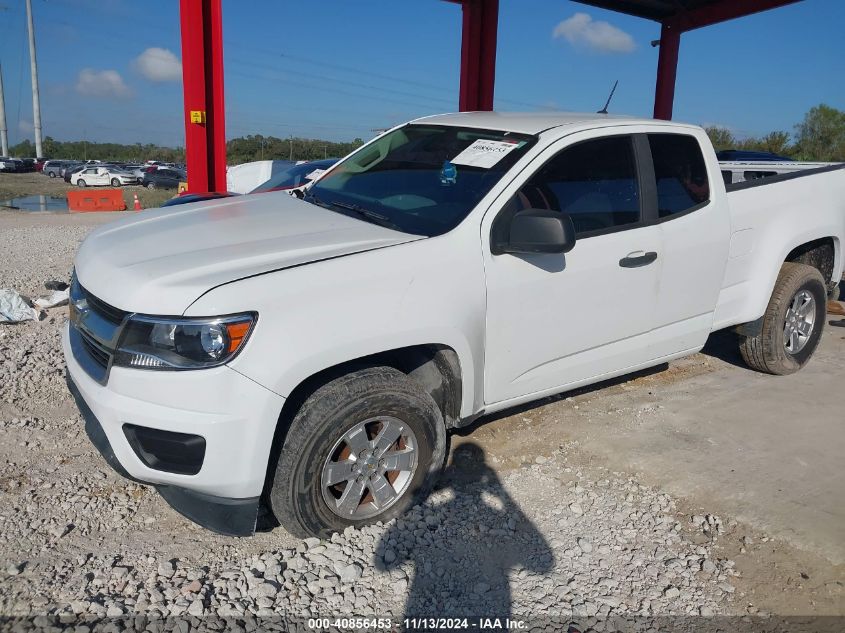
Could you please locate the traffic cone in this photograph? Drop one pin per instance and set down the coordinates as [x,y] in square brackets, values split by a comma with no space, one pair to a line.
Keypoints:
[137,204]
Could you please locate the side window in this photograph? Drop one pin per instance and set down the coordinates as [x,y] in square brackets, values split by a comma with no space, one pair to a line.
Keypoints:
[680,173]
[595,182]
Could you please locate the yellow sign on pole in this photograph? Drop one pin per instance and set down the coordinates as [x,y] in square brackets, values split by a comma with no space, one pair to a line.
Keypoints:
[197,116]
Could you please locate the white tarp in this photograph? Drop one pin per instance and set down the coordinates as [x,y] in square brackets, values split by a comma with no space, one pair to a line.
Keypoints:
[55,298]
[247,176]
[14,308]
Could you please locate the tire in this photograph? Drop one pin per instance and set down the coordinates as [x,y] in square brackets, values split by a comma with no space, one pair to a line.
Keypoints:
[115,182]
[317,435]
[51,174]
[81,183]
[769,351]
[151,185]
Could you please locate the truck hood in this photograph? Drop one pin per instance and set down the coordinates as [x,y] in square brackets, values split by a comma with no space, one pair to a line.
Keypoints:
[160,261]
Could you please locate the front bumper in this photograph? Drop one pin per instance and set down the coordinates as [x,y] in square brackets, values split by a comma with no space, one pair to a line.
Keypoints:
[234,415]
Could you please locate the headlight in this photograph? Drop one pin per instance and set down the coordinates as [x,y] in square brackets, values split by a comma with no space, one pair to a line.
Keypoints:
[154,343]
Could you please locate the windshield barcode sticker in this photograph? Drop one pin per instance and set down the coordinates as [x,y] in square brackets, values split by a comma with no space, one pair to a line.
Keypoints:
[484,153]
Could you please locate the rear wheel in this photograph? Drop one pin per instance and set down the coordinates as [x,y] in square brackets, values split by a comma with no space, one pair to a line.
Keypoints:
[792,324]
[362,448]
[151,185]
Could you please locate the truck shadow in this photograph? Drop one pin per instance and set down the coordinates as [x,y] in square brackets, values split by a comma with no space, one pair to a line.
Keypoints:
[724,345]
[463,545]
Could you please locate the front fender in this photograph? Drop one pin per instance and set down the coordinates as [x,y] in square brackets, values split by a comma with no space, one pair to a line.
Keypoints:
[319,315]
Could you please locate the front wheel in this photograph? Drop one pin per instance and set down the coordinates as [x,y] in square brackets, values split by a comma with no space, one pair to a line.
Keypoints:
[792,324]
[81,183]
[51,174]
[151,185]
[363,448]
[115,182]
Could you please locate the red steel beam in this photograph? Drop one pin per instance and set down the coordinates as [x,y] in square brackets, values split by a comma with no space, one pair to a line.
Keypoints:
[723,11]
[667,68]
[204,100]
[478,54]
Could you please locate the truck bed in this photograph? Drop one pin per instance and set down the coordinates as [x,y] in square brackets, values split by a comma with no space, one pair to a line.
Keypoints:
[769,218]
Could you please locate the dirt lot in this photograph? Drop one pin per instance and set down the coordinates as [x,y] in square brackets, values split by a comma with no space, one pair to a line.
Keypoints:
[19,185]
[689,490]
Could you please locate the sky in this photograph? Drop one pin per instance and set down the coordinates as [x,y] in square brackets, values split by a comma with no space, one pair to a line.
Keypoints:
[110,70]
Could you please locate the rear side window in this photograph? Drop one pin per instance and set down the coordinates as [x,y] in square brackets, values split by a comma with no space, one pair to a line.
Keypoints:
[680,173]
[595,182]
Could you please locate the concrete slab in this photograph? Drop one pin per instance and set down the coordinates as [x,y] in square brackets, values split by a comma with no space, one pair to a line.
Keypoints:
[767,450]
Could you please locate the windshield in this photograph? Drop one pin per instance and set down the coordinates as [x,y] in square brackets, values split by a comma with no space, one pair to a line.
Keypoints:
[421,179]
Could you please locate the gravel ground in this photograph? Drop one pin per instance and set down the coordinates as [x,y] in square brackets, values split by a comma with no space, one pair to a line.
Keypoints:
[548,538]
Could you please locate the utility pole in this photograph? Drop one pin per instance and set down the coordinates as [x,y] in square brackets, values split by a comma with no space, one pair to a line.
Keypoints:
[291,147]
[4,136]
[36,100]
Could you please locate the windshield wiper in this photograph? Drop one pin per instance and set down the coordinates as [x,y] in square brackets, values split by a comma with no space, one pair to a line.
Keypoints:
[366,214]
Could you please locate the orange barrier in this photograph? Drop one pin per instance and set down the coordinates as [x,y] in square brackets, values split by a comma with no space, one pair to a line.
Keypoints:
[86,200]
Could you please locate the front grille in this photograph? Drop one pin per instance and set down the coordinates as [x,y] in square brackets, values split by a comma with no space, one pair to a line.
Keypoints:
[108,312]
[98,354]
[95,331]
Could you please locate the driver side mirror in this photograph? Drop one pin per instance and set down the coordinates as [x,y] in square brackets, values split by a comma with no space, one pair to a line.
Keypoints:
[533,231]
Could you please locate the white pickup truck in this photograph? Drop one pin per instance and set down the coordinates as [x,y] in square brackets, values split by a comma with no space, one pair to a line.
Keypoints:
[313,354]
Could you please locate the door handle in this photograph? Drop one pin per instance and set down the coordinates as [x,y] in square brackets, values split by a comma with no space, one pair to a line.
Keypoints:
[637,259]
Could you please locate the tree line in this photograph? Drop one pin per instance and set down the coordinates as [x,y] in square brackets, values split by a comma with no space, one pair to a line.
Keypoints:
[819,137]
[238,150]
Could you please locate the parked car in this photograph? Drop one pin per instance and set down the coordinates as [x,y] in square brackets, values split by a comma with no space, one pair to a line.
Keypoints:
[162,179]
[99,175]
[10,165]
[53,168]
[186,198]
[741,171]
[68,171]
[750,155]
[315,353]
[296,176]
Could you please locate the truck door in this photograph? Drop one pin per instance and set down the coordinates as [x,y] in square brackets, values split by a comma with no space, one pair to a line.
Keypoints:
[695,235]
[557,319]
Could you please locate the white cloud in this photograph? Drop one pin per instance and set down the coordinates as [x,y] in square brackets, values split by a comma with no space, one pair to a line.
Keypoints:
[101,83]
[582,30]
[159,64]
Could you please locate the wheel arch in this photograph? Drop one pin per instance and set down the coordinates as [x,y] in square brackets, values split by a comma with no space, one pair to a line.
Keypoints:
[436,367]
[823,254]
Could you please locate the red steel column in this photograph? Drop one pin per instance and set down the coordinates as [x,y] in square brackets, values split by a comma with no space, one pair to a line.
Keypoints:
[667,67]
[202,79]
[478,54]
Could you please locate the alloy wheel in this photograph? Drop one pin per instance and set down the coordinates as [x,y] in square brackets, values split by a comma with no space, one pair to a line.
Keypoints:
[369,468]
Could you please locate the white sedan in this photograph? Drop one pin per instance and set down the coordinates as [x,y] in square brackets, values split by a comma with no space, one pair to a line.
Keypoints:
[103,176]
